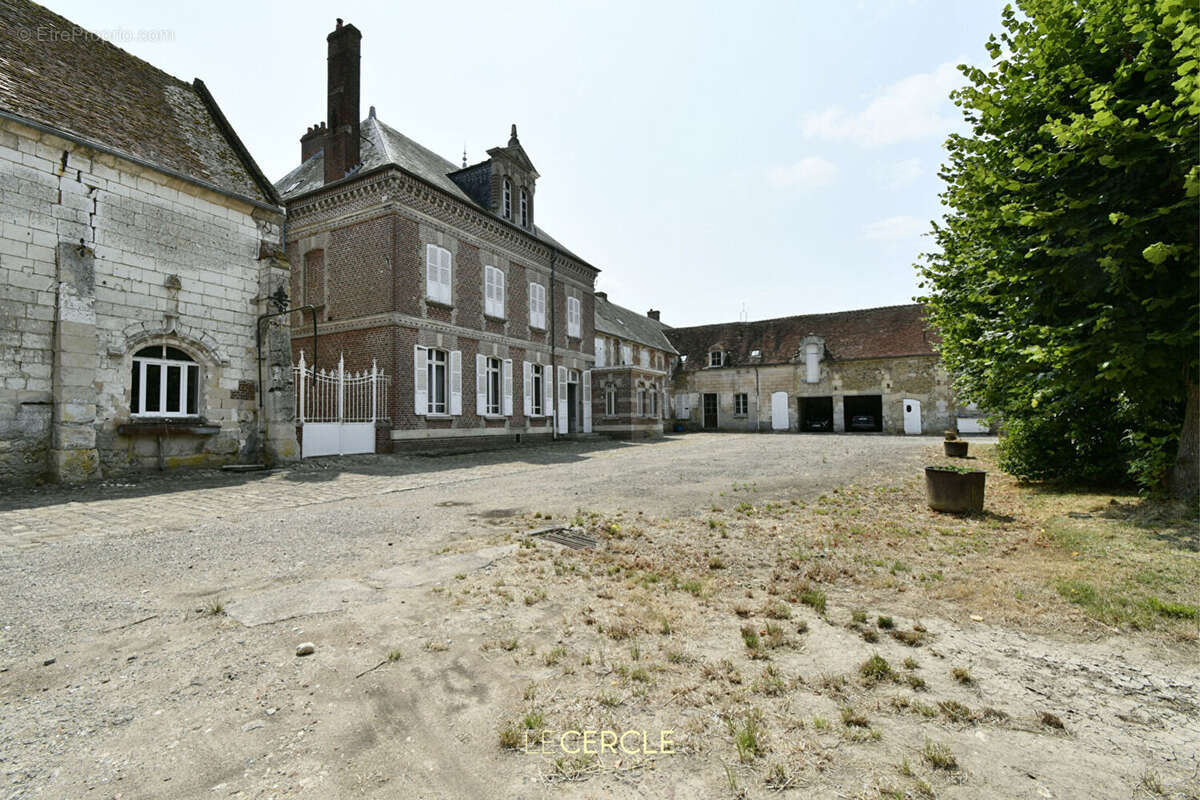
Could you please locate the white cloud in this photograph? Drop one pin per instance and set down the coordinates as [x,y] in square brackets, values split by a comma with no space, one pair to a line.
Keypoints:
[894,229]
[911,109]
[902,173]
[810,173]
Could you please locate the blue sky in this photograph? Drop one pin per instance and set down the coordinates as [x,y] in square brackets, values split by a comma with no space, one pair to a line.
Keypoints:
[776,157]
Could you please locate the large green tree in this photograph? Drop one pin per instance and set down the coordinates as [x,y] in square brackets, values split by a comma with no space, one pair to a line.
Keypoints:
[1065,285]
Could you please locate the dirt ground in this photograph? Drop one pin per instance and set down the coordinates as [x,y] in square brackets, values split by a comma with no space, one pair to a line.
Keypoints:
[759,615]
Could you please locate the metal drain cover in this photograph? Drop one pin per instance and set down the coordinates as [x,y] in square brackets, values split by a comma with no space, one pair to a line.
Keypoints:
[573,538]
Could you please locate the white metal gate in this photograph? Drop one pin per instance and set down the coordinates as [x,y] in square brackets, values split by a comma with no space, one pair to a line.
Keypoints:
[337,409]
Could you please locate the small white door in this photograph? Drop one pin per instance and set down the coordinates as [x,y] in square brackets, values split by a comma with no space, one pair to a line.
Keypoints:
[912,417]
[779,411]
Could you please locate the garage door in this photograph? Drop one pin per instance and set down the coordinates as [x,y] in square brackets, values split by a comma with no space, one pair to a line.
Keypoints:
[864,412]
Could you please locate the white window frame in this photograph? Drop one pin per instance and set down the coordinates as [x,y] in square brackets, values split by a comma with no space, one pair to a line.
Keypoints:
[164,364]
[524,207]
[652,401]
[439,274]
[741,404]
[493,292]
[537,390]
[574,318]
[644,356]
[627,355]
[716,358]
[506,198]
[641,400]
[537,306]
[437,368]
[610,400]
[494,387]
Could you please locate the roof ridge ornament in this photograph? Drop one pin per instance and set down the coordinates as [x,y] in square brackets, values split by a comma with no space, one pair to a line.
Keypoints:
[513,138]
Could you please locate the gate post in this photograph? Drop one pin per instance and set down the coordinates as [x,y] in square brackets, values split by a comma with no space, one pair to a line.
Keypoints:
[302,381]
[341,388]
[374,389]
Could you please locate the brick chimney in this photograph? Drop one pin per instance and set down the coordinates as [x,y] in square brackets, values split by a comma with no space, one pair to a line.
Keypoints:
[601,295]
[342,118]
[653,314]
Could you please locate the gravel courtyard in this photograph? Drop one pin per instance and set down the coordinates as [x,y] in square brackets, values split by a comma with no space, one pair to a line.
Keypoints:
[149,627]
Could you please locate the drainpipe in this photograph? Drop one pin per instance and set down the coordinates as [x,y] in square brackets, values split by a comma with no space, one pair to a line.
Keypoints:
[757,403]
[553,347]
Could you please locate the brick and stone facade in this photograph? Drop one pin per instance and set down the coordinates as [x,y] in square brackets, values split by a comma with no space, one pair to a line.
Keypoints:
[633,363]
[113,241]
[367,245]
[846,371]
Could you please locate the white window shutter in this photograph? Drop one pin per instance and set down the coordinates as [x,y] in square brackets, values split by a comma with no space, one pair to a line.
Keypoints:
[507,376]
[433,278]
[446,272]
[456,382]
[587,401]
[599,351]
[562,399]
[420,380]
[480,384]
[548,391]
[527,385]
[645,357]
[499,293]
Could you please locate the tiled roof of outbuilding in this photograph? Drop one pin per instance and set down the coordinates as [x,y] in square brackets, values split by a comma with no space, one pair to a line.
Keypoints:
[622,323]
[888,332]
[55,74]
[382,144]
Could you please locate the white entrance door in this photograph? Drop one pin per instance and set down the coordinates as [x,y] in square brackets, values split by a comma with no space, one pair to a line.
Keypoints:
[779,411]
[912,417]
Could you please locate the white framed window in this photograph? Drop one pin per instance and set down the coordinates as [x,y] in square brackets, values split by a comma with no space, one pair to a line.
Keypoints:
[741,404]
[493,387]
[506,199]
[435,369]
[641,400]
[716,358]
[438,272]
[645,357]
[537,306]
[537,391]
[524,208]
[598,351]
[627,355]
[574,318]
[610,400]
[652,401]
[493,292]
[165,382]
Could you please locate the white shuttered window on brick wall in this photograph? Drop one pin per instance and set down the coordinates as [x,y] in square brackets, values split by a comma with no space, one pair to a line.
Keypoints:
[493,292]
[438,272]
[574,318]
[537,306]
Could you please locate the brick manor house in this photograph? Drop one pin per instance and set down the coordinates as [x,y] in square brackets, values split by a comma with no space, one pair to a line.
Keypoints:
[437,275]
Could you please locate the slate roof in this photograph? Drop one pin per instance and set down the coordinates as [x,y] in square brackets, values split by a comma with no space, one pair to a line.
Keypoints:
[888,332]
[83,86]
[381,144]
[622,323]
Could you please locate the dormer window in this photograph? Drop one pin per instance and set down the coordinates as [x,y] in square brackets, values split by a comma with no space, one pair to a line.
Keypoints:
[716,358]
[506,199]
[756,353]
[524,208]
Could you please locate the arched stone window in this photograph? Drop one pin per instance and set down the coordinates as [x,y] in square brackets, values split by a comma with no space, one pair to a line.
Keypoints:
[164,382]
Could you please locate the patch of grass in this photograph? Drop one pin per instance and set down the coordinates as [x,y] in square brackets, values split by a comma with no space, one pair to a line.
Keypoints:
[852,718]
[608,700]
[814,599]
[962,675]
[876,669]
[955,711]
[511,737]
[1051,721]
[750,736]
[535,596]
[916,683]
[639,675]
[553,656]
[801,627]
[1172,610]
[858,616]
[777,609]
[395,655]
[773,636]
[716,562]
[770,683]
[911,663]
[869,635]
[533,721]
[777,778]
[887,623]
[215,608]
[913,638]
[820,723]
[939,756]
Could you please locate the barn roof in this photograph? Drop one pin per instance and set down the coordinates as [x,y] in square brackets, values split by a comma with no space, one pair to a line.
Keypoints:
[887,332]
[58,76]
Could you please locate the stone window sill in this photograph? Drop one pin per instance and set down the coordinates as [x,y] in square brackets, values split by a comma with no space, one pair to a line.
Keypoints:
[165,426]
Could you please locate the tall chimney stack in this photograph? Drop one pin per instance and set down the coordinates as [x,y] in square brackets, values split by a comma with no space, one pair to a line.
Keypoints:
[342,117]
[654,314]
